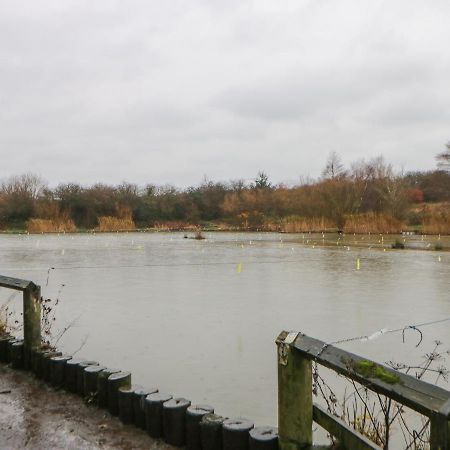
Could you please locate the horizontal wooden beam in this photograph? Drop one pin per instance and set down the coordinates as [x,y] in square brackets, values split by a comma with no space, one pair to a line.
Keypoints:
[347,437]
[418,395]
[16,283]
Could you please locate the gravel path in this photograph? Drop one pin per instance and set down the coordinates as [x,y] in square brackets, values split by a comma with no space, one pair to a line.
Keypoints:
[34,416]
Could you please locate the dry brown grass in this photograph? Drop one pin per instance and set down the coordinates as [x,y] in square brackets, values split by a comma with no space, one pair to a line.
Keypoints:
[60,225]
[373,223]
[434,217]
[439,224]
[110,223]
[295,224]
[175,226]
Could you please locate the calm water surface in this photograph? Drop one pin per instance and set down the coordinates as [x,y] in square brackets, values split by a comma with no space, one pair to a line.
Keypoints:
[199,318]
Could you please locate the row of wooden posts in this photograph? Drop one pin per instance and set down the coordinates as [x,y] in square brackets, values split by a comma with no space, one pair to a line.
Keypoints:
[173,419]
[195,427]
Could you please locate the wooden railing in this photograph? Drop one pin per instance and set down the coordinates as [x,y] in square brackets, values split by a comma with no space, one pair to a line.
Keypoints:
[297,412]
[31,313]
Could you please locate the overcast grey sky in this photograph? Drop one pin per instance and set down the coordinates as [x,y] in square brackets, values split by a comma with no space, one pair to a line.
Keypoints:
[170,91]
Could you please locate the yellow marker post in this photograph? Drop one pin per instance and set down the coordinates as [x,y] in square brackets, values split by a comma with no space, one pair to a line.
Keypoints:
[358,264]
[239,268]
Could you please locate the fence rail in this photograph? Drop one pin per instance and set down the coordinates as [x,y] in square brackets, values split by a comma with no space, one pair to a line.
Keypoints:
[31,313]
[296,411]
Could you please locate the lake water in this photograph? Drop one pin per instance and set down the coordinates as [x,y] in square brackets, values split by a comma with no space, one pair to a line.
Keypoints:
[199,318]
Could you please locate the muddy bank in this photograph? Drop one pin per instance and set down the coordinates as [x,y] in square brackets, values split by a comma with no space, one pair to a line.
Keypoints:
[34,416]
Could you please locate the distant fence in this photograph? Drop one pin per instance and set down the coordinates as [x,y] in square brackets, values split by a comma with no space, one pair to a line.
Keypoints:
[297,412]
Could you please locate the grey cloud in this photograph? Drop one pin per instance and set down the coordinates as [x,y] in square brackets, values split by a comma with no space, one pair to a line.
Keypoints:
[169,91]
[308,92]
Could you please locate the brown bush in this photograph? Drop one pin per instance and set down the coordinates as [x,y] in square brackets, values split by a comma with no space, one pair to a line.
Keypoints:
[175,225]
[295,224]
[110,223]
[437,224]
[373,223]
[60,225]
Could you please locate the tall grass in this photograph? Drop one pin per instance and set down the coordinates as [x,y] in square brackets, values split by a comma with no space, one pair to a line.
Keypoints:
[59,225]
[110,223]
[373,223]
[3,319]
[175,225]
[439,224]
[296,224]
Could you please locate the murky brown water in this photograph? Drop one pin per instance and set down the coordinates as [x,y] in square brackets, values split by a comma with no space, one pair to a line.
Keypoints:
[199,318]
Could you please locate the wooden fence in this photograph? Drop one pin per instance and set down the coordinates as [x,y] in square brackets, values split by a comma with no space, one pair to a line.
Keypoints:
[297,412]
[31,313]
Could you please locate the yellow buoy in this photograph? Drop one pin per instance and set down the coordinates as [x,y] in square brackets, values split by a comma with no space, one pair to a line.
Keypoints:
[358,264]
[239,268]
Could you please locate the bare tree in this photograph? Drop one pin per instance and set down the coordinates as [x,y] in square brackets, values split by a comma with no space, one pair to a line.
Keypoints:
[443,159]
[334,167]
[28,185]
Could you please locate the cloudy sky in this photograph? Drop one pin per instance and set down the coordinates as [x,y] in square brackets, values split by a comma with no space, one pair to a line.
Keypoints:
[171,91]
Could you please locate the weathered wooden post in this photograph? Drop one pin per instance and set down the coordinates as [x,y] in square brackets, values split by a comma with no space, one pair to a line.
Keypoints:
[235,434]
[153,408]
[114,383]
[31,321]
[440,429]
[294,395]
[125,402]
[194,416]
[174,421]
[138,405]
[263,438]
[211,431]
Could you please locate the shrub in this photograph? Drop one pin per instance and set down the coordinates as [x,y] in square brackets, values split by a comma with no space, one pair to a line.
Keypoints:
[61,225]
[398,245]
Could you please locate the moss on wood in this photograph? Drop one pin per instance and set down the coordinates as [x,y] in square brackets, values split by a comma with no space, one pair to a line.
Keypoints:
[369,369]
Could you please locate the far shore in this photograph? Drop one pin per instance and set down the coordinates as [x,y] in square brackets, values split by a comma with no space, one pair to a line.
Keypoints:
[407,240]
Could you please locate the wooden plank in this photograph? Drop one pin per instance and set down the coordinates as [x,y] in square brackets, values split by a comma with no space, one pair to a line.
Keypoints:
[15,283]
[348,438]
[422,397]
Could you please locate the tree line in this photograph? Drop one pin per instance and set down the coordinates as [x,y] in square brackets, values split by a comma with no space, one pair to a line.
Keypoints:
[365,188]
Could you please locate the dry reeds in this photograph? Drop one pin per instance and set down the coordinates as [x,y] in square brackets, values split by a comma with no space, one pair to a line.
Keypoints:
[110,223]
[296,224]
[4,314]
[439,224]
[175,226]
[59,225]
[373,223]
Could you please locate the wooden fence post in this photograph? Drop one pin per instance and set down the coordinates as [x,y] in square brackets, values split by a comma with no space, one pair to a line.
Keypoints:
[440,428]
[31,321]
[294,395]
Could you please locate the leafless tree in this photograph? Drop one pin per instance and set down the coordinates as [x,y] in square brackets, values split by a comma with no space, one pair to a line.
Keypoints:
[334,167]
[443,158]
